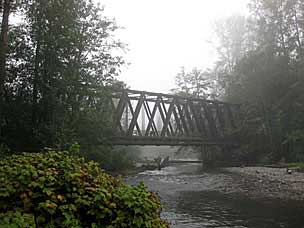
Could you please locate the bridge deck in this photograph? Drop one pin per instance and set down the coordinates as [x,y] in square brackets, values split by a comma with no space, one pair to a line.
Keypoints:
[167,141]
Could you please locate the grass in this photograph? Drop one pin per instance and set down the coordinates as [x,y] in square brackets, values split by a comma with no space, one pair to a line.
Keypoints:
[298,165]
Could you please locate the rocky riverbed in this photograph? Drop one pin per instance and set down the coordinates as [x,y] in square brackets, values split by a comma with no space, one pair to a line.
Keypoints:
[261,182]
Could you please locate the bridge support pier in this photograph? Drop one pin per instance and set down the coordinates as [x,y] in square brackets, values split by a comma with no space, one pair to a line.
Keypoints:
[207,157]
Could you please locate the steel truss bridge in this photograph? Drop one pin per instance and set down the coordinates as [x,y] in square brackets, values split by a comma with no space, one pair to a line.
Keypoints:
[148,118]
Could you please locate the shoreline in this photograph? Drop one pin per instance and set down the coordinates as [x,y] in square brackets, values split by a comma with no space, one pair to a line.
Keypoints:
[253,182]
[264,182]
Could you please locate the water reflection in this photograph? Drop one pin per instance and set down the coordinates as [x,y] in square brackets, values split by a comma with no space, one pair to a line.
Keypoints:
[212,209]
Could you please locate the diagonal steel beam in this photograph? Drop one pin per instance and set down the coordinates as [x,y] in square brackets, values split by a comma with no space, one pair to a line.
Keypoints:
[135,115]
[196,118]
[202,119]
[167,120]
[188,117]
[119,110]
[182,118]
[178,123]
[170,130]
[161,112]
[151,121]
[149,114]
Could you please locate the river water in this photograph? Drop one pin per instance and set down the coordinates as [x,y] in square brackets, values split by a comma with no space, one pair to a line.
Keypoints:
[192,199]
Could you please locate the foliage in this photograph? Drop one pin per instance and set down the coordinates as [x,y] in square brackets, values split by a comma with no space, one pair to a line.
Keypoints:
[194,83]
[57,189]
[262,68]
[231,42]
[299,166]
[260,65]
[60,59]
[113,158]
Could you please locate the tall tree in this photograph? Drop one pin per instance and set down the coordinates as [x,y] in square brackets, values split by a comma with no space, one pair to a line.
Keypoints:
[6,8]
[267,75]
[232,42]
[61,57]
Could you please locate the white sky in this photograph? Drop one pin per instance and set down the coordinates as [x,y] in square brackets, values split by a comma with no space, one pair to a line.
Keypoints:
[164,35]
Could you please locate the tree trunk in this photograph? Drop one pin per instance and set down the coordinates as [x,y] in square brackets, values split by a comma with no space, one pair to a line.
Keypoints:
[35,84]
[3,52]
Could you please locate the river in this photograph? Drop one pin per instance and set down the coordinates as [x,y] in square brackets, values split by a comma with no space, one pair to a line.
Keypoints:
[191,199]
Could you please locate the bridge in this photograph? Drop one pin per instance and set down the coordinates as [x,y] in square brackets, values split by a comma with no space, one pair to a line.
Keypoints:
[148,118]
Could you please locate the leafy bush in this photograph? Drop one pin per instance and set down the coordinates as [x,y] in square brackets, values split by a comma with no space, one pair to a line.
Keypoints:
[57,189]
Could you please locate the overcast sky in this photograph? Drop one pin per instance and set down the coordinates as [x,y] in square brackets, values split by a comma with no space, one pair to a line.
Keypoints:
[164,35]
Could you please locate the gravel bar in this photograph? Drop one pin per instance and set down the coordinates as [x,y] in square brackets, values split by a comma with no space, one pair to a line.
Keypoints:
[262,182]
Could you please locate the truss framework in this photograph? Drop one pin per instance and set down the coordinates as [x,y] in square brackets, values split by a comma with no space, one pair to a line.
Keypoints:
[147,118]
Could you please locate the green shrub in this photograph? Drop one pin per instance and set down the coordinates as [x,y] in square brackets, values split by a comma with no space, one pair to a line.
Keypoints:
[57,189]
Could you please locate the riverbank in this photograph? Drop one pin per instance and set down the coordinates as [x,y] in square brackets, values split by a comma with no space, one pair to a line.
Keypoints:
[226,197]
[254,182]
[262,182]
